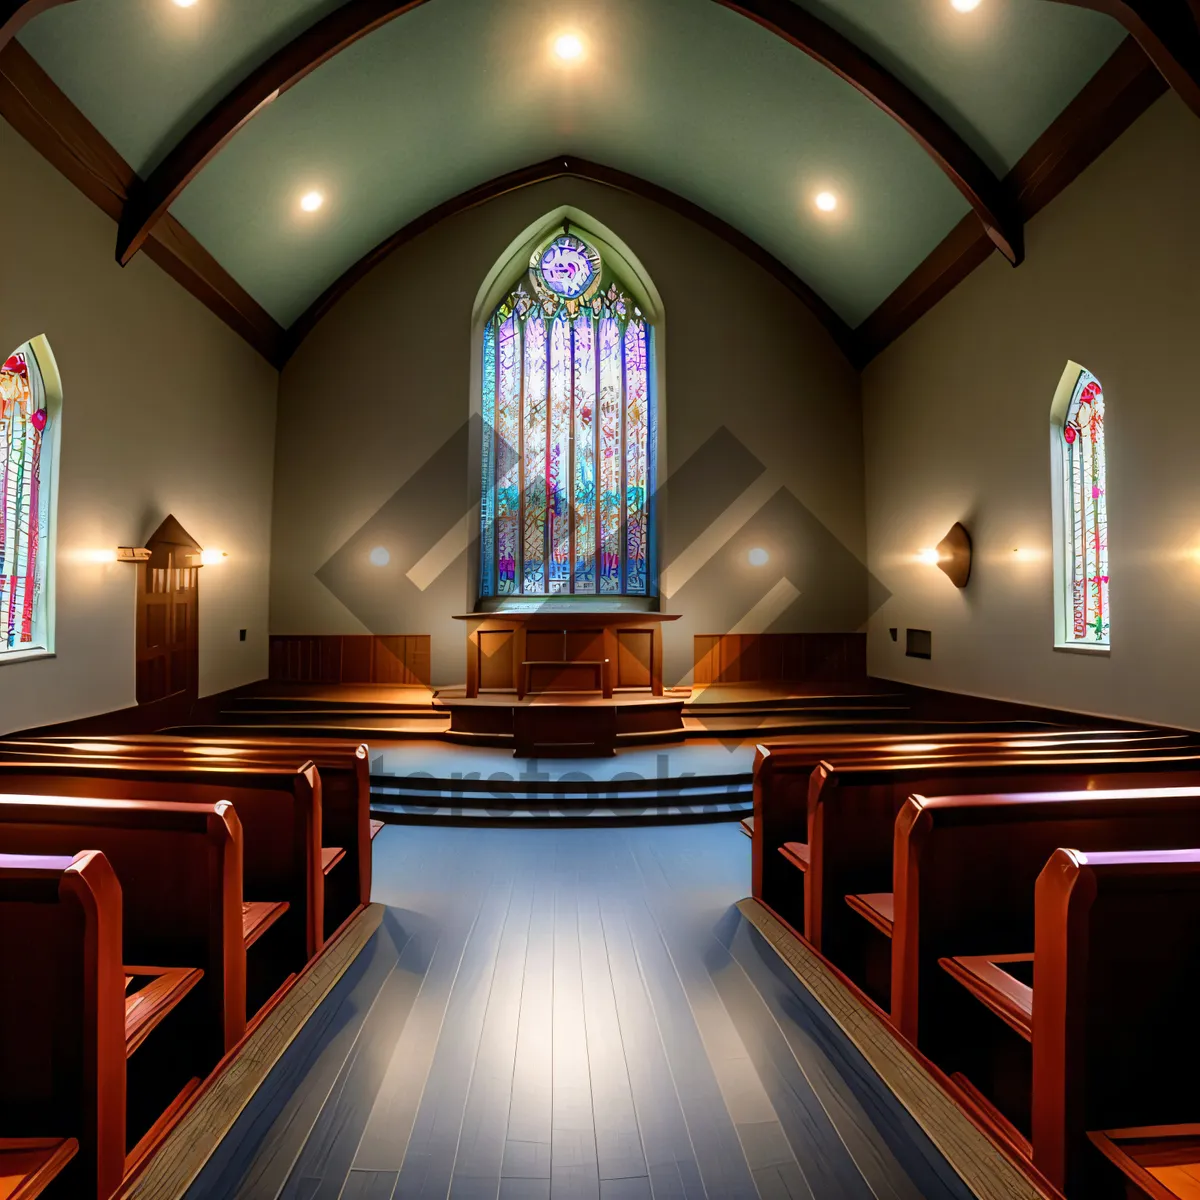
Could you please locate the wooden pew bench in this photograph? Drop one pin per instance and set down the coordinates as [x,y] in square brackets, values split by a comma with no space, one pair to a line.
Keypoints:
[781,789]
[72,1016]
[345,792]
[1112,1015]
[964,871]
[853,806]
[280,814]
[61,1025]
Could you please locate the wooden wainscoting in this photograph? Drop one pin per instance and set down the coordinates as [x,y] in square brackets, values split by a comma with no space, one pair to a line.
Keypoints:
[401,658]
[827,658]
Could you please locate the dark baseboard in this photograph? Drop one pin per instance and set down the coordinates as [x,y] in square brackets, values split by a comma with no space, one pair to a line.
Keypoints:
[144,718]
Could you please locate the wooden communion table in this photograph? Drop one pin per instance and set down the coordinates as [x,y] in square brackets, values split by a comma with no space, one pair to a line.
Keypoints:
[548,650]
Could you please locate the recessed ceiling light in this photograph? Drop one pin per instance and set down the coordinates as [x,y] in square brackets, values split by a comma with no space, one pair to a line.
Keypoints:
[965,5]
[380,557]
[185,3]
[568,47]
[825,201]
[758,556]
[311,201]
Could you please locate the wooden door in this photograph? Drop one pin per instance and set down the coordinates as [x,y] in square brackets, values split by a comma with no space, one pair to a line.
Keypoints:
[168,647]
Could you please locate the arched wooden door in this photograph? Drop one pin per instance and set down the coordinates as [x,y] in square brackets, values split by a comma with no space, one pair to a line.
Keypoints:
[168,653]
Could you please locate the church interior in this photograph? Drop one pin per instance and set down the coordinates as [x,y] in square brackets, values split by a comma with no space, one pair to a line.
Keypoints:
[555,590]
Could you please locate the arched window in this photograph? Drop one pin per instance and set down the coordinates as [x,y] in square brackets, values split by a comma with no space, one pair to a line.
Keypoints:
[568,433]
[27,441]
[1081,512]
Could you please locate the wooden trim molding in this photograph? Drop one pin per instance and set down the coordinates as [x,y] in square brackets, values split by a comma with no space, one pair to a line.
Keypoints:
[1169,33]
[38,110]
[958,161]
[150,200]
[577,168]
[16,14]
[1120,92]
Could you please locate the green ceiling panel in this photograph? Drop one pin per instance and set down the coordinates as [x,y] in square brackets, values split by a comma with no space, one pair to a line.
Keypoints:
[999,75]
[143,71]
[682,92]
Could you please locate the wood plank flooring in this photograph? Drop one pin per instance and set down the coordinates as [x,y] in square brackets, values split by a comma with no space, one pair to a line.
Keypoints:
[571,1013]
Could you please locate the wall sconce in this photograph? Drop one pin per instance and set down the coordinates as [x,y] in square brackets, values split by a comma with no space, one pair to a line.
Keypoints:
[132,554]
[210,558]
[954,555]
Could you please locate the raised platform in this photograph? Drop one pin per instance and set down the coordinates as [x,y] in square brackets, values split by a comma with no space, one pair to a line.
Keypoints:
[562,724]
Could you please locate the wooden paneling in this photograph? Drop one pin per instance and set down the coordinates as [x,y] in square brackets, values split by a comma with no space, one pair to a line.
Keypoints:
[583,645]
[496,648]
[826,658]
[634,648]
[544,645]
[353,658]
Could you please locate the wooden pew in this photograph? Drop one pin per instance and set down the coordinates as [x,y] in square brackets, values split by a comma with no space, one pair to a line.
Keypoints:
[62,1018]
[280,813]
[853,806]
[1112,1015]
[180,870]
[781,785]
[964,874]
[345,792]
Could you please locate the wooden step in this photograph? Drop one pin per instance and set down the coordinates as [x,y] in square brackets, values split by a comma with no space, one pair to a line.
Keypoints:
[1155,1157]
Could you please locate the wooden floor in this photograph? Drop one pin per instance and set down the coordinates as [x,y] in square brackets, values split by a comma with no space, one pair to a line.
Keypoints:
[571,1012]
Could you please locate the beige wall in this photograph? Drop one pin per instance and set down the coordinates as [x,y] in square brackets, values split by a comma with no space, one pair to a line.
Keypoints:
[164,410]
[956,428]
[385,381]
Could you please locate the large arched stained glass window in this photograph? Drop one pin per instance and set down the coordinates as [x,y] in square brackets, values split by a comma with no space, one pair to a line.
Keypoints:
[1082,518]
[25,504]
[568,433]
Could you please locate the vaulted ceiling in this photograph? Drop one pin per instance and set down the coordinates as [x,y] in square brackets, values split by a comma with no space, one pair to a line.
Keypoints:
[689,95]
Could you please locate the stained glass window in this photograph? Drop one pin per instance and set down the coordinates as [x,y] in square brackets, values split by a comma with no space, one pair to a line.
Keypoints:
[567,458]
[24,503]
[1083,593]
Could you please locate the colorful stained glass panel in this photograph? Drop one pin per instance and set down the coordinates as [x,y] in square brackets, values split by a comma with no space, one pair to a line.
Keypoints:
[585,453]
[609,507]
[508,469]
[637,459]
[534,432]
[487,501]
[1086,507]
[558,459]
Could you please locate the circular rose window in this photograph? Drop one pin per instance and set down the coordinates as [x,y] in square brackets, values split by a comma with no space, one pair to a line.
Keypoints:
[568,268]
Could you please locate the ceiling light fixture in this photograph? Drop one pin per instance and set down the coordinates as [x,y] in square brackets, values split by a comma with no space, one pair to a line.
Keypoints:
[826,201]
[758,557]
[184,3]
[965,5]
[379,556]
[311,201]
[568,47]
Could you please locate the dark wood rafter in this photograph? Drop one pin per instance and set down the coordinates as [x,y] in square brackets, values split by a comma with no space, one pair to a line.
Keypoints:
[1109,103]
[150,200]
[1168,31]
[577,168]
[960,163]
[15,14]
[37,109]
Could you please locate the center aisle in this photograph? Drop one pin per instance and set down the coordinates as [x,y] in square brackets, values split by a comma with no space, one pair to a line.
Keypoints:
[571,1013]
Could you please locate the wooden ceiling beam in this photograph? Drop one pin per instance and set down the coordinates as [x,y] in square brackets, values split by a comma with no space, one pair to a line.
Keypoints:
[15,14]
[1168,31]
[961,164]
[151,199]
[577,168]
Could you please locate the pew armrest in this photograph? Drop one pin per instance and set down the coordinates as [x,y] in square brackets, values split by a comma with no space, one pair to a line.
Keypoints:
[330,857]
[29,1165]
[748,826]
[1162,1161]
[145,1008]
[986,979]
[875,907]
[376,827]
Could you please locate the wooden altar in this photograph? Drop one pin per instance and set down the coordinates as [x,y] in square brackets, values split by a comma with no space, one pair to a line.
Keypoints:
[547,650]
